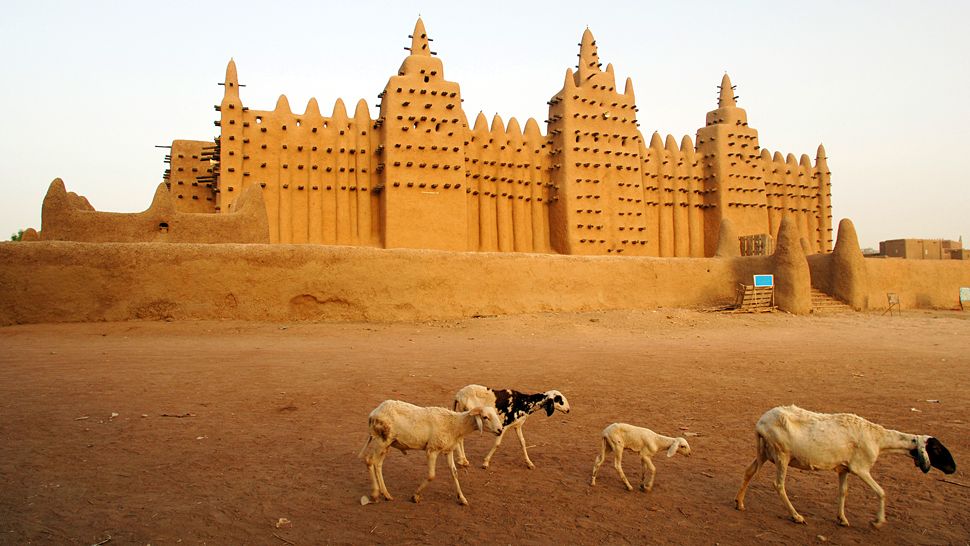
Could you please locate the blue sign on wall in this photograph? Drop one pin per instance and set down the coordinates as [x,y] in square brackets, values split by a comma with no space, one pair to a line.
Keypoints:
[761,281]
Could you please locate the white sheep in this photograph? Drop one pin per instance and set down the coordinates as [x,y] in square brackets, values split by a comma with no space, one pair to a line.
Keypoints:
[647,443]
[435,430]
[843,442]
[513,407]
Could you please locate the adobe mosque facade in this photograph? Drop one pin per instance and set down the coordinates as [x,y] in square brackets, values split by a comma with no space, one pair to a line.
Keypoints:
[422,176]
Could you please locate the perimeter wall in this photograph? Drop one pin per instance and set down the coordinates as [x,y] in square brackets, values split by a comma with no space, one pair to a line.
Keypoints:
[51,281]
[69,282]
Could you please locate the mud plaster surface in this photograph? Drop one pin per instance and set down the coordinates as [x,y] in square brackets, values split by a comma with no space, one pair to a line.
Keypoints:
[274,414]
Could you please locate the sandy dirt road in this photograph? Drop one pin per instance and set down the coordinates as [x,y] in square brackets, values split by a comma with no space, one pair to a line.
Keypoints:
[247,433]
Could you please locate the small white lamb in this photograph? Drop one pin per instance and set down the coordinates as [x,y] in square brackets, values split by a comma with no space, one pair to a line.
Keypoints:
[435,430]
[642,440]
[843,442]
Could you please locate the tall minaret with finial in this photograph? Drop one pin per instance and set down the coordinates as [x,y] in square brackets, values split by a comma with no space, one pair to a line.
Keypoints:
[229,145]
[734,185]
[824,211]
[597,199]
[422,162]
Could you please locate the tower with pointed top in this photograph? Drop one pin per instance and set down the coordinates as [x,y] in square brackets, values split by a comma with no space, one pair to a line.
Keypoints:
[229,144]
[422,162]
[823,209]
[733,185]
[597,198]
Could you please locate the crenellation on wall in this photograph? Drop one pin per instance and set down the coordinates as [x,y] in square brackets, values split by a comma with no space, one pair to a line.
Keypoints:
[536,157]
[693,187]
[797,188]
[317,172]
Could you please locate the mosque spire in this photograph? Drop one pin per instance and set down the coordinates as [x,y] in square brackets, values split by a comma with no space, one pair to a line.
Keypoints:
[726,99]
[419,40]
[821,161]
[231,84]
[589,61]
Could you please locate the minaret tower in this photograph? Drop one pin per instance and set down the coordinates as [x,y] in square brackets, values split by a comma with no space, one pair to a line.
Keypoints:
[734,186]
[423,203]
[824,212]
[597,199]
[230,144]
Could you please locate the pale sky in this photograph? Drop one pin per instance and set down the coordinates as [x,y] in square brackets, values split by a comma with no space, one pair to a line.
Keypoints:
[89,88]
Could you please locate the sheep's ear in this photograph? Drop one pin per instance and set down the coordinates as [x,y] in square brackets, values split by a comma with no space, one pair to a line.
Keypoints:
[672,450]
[940,456]
[550,407]
[478,422]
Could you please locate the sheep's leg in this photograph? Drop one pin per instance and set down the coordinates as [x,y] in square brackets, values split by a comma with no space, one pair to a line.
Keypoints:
[782,473]
[881,514]
[599,460]
[618,465]
[432,462]
[380,475]
[375,489]
[454,475]
[647,465]
[528,462]
[498,442]
[843,489]
[460,448]
[748,474]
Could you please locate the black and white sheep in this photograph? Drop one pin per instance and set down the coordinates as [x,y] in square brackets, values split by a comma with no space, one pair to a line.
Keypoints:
[843,442]
[435,430]
[513,407]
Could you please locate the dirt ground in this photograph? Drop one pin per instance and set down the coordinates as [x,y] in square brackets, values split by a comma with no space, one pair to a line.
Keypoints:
[247,433]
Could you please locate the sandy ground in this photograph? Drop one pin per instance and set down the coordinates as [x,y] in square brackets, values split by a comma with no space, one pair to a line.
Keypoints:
[243,433]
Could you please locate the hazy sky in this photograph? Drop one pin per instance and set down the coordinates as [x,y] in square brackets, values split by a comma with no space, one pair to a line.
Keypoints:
[89,88]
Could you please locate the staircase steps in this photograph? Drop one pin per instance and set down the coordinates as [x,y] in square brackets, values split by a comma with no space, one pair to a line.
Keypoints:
[824,303]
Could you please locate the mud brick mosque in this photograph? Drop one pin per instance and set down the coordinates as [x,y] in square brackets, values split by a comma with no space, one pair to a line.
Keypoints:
[421,176]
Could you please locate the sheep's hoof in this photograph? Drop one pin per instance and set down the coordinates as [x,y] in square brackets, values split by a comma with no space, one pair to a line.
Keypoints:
[843,522]
[463,463]
[485,466]
[387,496]
[797,518]
[463,501]
[646,488]
[416,499]
[878,523]
[739,505]
[629,487]
[530,465]
[593,481]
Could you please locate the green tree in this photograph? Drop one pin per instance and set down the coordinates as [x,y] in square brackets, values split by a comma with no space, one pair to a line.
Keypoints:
[17,236]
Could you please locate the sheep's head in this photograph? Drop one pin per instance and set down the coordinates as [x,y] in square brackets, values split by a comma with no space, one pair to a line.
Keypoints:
[681,446]
[492,422]
[555,401]
[929,452]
